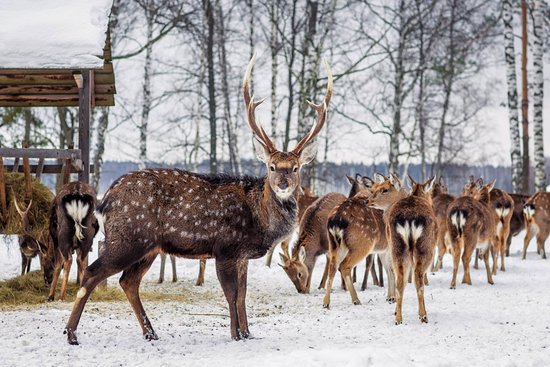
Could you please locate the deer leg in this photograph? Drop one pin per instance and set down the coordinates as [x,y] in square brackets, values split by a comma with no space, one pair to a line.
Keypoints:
[487,267]
[400,275]
[441,249]
[541,239]
[228,276]
[29,260]
[23,263]
[386,261]
[94,274]
[162,267]
[457,249]
[375,280]
[508,244]
[528,236]
[333,259]
[67,262]
[380,271]
[56,272]
[476,265]
[202,268]
[130,281]
[269,256]
[502,253]
[325,274]
[494,253]
[354,274]
[242,274]
[419,284]
[368,267]
[82,262]
[174,273]
[466,257]
[345,270]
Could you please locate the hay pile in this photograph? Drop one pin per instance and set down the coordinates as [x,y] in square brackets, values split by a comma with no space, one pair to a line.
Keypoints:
[41,200]
[30,289]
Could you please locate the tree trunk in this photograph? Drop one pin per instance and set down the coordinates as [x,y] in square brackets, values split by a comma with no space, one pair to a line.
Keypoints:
[510,56]
[209,14]
[102,125]
[146,88]
[274,46]
[524,99]
[538,94]
[290,70]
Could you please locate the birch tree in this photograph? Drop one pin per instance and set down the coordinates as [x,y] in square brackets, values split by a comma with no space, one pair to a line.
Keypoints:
[538,94]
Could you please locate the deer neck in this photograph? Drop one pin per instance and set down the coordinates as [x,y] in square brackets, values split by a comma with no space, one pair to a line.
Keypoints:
[276,214]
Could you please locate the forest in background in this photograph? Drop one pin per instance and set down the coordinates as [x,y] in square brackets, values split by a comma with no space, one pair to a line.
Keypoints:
[407,80]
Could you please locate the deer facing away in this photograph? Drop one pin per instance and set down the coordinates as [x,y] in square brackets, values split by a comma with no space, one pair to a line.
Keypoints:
[230,219]
[537,221]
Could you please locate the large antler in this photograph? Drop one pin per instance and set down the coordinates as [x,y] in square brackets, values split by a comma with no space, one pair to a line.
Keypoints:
[251,105]
[321,110]
[21,212]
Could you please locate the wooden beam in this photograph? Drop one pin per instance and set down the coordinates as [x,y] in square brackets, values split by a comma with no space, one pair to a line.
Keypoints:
[39,153]
[53,89]
[3,206]
[46,168]
[51,100]
[84,117]
[78,80]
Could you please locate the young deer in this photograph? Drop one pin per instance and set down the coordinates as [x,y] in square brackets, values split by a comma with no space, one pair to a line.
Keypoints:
[471,225]
[29,246]
[441,201]
[230,219]
[537,221]
[502,205]
[72,228]
[517,222]
[312,242]
[305,199]
[355,231]
[411,228]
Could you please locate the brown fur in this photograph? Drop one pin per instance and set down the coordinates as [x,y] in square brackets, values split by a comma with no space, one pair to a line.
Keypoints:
[440,202]
[471,225]
[64,241]
[29,245]
[411,229]
[502,205]
[517,222]
[312,242]
[537,221]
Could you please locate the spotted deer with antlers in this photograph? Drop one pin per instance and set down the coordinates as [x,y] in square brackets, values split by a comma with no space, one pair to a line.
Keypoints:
[29,245]
[230,219]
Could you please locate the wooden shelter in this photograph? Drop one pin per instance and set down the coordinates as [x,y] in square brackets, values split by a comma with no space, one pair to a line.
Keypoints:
[52,75]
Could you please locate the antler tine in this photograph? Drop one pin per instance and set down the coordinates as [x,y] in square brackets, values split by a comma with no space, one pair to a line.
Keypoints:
[251,105]
[21,212]
[321,110]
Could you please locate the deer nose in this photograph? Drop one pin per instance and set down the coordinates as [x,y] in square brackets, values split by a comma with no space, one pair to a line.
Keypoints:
[283,184]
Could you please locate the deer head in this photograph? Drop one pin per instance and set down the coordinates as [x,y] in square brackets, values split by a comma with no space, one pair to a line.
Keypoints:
[296,269]
[283,168]
[385,191]
[24,214]
[484,191]
[472,187]
[359,184]
[422,190]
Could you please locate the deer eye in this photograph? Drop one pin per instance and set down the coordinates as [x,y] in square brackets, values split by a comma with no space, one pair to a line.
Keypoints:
[299,275]
[272,168]
[295,169]
[384,191]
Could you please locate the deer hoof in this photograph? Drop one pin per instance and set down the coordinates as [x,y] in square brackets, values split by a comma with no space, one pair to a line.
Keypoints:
[50,299]
[424,319]
[71,337]
[244,334]
[150,335]
[390,299]
[356,302]
[398,322]
[326,305]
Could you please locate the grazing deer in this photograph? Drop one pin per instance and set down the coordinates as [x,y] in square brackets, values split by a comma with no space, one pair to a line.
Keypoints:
[411,228]
[517,222]
[305,199]
[312,242]
[72,228]
[355,230]
[29,246]
[441,201]
[471,225]
[230,219]
[537,221]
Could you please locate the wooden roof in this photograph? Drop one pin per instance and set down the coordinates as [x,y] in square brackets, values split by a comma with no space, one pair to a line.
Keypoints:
[56,87]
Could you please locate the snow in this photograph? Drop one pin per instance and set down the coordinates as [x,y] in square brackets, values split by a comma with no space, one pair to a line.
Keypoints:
[53,34]
[506,324]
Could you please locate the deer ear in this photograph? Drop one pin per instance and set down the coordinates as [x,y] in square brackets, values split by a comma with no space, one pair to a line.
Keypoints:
[429,184]
[367,182]
[350,179]
[261,150]
[491,186]
[394,180]
[308,153]
[379,178]
[410,182]
[302,254]
[284,258]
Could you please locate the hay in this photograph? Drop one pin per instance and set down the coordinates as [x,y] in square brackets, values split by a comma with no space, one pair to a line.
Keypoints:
[41,200]
[30,289]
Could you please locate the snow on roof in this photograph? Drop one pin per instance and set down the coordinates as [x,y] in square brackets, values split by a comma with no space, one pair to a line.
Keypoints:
[63,34]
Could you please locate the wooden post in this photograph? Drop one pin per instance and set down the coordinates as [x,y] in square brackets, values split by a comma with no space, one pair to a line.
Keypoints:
[15,164]
[39,168]
[28,180]
[524,99]
[3,206]
[84,116]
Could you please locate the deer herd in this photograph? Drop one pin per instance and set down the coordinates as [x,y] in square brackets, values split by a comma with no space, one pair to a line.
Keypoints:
[235,219]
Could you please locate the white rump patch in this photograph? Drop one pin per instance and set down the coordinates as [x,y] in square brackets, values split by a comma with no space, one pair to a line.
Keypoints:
[458,219]
[529,212]
[77,210]
[409,229]
[101,221]
[502,212]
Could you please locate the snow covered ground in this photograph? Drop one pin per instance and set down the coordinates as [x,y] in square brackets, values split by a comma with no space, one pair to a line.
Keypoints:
[507,324]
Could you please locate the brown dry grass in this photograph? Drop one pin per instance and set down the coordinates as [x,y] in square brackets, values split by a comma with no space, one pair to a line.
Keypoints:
[30,289]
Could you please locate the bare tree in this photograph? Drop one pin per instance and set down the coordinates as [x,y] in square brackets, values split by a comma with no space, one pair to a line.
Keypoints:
[538,94]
